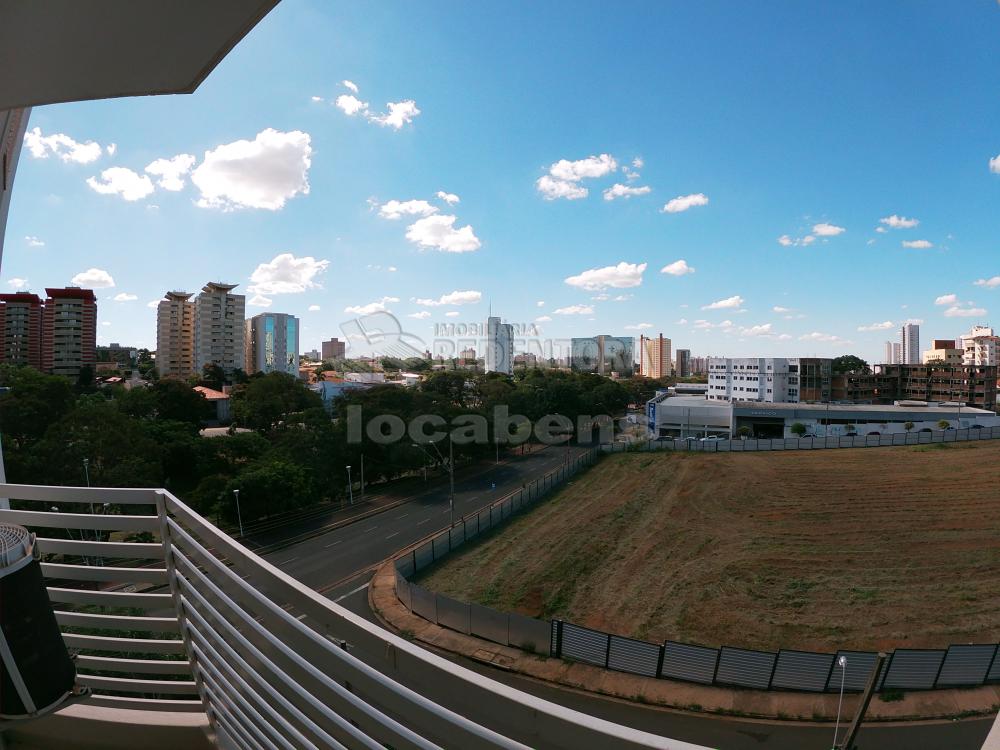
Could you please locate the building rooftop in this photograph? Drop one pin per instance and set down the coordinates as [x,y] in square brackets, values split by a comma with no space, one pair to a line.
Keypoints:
[930,408]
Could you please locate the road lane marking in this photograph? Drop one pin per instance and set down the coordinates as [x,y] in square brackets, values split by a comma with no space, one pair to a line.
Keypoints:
[362,587]
[332,544]
[371,529]
[402,516]
[424,521]
[290,560]
[395,533]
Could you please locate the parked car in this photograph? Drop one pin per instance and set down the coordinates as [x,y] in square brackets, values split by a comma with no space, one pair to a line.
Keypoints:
[710,439]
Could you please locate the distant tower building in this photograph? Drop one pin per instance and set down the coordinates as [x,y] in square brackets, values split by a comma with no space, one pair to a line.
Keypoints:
[218,328]
[654,357]
[175,335]
[69,331]
[272,343]
[889,356]
[683,369]
[603,355]
[334,349]
[499,346]
[21,329]
[909,336]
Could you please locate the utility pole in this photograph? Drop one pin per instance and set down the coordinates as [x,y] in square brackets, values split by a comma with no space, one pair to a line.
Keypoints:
[239,515]
[362,478]
[451,477]
[866,698]
[350,485]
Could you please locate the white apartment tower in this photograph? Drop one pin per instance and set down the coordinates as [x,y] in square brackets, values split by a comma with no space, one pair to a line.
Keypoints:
[175,335]
[654,357]
[218,327]
[909,339]
[499,346]
[980,347]
[272,344]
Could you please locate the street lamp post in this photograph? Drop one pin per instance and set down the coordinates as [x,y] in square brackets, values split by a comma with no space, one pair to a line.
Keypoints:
[451,472]
[350,486]
[239,515]
[362,478]
[842,663]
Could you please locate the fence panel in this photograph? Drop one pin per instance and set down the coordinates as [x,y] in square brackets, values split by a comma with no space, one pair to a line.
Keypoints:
[488,623]
[527,631]
[802,670]
[746,668]
[635,657]
[855,673]
[403,591]
[405,566]
[452,614]
[422,557]
[423,602]
[440,544]
[684,661]
[554,638]
[456,536]
[584,644]
[966,665]
[914,669]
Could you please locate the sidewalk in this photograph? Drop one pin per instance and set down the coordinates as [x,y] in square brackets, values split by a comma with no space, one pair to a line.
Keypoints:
[773,705]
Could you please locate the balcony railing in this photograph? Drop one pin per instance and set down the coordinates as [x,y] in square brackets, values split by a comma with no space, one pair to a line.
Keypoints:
[167,612]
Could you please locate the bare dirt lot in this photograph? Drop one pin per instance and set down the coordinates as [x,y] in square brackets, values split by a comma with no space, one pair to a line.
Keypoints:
[857,548]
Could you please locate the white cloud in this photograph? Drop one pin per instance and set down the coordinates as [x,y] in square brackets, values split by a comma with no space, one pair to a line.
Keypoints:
[397,209]
[551,189]
[898,222]
[400,114]
[622,298]
[947,299]
[17,283]
[964,312]
[575,310]
[639,327]
[61,145]
[314,308]
[990,283]
[728,303]
[994,164]
[883,326]
[786,241]
[350,104]
[543,319]
[784,337]
[94,278]
[758,330]
[351,85]
[451,314]
[450,198]
[262,173]
[827,230]
[881,230]
[371,307]
[286,274]
[105,322]
[391,269]
[122,181]
[681,322]
[438,231]
[705,325]
[918,244]
[622,276]
[638,163]
[780,309]
[592,166]
[422,315]
[684,202]
[468,297]
[624,191]
[315,98]
[259,300]
[124,297]
[541,302]
[153,304]
[824,337]
[111,148]
[34,241]
[171,171]
[677,268]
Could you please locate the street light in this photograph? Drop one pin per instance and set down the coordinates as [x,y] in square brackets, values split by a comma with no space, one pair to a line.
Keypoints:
[350,485]
[842,663]
[239,515]
[451,472]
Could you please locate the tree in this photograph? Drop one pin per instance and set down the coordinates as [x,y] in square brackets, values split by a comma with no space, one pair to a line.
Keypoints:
[212,376]
[33,403]
[798,429]
[266,401]
[849,363]
[745,432]
[175,400]
[908,426]
[944,424]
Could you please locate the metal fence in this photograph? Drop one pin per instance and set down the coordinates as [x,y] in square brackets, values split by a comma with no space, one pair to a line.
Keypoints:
[808,443]
[960,665]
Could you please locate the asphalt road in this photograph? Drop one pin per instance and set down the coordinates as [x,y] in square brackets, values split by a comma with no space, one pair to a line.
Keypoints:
[340,562]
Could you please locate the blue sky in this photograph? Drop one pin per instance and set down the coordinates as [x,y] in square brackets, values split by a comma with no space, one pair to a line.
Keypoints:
[810,122]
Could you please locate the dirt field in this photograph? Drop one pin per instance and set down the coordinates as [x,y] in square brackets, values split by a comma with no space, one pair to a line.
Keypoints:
[872,548]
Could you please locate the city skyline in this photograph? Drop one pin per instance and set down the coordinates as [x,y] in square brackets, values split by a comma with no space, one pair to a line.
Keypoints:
[774,215]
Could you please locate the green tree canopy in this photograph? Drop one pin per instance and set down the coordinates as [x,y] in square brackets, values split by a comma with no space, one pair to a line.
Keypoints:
[850,363]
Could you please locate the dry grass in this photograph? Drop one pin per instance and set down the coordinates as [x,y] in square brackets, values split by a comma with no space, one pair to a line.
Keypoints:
[871,548]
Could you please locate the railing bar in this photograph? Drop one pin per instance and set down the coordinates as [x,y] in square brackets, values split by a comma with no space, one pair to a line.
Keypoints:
[107,573]
[90,620]
[136,666]
[109,598]
[396,730]
[204,644]
[215,685]
[129,645]
[224,713]
[49,520]
[138,550]
[375,678]
[55,494]
[129,685]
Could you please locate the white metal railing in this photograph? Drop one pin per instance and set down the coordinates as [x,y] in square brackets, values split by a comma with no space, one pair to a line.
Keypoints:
[195,621]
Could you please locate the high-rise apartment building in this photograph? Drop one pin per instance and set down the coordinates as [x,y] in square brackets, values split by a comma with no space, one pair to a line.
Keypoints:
[654,357]
[218,328]
[499,346]
[272,344]
[175,335]
[605,355]
[909,340]
[683,366]
[21,329]
[69,331]
[980,347]
[334,349]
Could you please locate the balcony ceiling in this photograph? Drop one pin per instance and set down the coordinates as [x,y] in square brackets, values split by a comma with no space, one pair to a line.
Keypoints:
[72,50]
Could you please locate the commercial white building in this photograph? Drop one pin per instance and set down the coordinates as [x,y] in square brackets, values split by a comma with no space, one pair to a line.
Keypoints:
[272,343]
[218,328]
[769,379]
[909,339]
[980,346]
[893,353]
[499,346]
